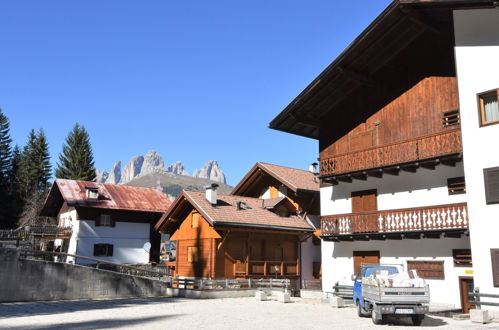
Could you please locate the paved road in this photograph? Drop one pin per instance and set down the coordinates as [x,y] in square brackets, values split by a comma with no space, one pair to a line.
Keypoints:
[177,313]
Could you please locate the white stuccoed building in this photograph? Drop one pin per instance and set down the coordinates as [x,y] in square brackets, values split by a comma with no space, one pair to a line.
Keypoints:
[109,222]
[477,62]
[407,163]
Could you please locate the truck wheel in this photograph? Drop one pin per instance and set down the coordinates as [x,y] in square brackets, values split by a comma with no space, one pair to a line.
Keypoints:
[417,319]
[360,310]
[375,319]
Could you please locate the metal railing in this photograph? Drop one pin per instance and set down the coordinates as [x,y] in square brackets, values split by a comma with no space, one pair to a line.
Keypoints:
[95,263]
[343,291]
[475,298]
[231,284]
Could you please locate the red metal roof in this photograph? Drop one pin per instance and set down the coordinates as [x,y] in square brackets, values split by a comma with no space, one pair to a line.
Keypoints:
[111,196]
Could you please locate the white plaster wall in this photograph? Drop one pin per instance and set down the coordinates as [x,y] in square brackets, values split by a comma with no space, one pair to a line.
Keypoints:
[337,262]
[477,64]
[423,188]
[128,239]
[309,253]
[281,193]
[66,219]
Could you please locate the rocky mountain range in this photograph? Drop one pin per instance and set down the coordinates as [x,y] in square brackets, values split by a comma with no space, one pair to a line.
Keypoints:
[153,162]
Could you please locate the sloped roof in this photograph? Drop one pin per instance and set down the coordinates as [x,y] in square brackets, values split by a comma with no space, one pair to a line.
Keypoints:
[226,213]
[111,196]
[293,178]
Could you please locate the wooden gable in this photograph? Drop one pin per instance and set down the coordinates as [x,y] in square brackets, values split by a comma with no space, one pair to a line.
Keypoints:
[194,226]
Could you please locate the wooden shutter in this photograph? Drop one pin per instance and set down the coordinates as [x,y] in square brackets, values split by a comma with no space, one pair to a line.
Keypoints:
[491,179]
[364,257]
[428,269]
[462,257]
[456,186]
[110,250]
[495,266]
[364,201]
[195,220]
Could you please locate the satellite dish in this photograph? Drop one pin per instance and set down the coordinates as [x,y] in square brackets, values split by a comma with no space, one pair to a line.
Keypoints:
[147,246]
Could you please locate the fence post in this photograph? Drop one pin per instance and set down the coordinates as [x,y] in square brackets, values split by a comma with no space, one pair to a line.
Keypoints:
[249,283]
[477,298]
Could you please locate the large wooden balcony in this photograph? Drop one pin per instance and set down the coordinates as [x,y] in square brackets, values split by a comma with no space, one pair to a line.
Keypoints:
[411,153]
[431,221]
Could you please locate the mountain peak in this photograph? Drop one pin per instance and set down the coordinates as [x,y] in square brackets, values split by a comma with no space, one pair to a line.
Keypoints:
[211,170]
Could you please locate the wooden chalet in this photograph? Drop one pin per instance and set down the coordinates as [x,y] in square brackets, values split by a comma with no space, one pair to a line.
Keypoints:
[302,189]
[222,236]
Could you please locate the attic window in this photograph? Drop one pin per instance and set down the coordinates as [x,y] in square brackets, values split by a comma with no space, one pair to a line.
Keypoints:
[243,206]
[92,192]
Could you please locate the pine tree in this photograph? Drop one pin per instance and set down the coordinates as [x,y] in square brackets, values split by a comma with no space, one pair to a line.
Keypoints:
[5,149]
[16,199]
[76,160]
[27,166]
[5,159]
[42,168]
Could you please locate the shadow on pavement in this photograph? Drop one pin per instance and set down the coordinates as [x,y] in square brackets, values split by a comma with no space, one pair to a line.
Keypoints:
[66,306]
[101,324]
[427,322]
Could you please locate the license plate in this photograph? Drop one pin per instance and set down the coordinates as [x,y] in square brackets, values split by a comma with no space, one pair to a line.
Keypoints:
[404,311]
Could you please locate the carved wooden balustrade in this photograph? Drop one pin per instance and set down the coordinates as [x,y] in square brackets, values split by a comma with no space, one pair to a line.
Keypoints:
[440,217]
[428,147]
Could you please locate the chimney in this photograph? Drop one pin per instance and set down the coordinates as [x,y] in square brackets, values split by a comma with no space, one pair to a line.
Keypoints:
[313,168]
[211,193]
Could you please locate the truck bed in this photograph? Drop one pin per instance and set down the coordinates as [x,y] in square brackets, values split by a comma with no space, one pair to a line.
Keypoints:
[396,295]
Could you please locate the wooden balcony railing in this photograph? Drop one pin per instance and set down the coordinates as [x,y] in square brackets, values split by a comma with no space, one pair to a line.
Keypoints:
[440,217]
[427,147]
[264,268]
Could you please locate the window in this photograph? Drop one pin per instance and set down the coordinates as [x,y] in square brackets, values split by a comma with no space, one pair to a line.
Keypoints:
[195,220]
[456,186]
[432,270]
[103,250]
[104,221]
[92,192]
[494,253]
[462,257]
[491,180]
[489,107]
[192,254]
[450,118]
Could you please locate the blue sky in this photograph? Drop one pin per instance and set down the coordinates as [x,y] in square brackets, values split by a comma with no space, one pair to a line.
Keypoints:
[193,80]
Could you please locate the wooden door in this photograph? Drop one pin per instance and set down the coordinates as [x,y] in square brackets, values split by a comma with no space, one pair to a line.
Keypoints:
[466,287]
[364,257]
[364,201]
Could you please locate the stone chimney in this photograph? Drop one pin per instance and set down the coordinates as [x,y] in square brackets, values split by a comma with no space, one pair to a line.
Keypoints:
[313,168]
[211,193]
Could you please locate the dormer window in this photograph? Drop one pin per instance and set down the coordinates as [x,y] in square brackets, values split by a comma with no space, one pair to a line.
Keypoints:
[92,192]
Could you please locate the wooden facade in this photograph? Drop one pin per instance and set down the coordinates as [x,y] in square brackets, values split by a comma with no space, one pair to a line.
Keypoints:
[203,251]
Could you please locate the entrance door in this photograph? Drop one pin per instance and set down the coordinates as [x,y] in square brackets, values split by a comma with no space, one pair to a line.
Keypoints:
[364,257]
[466,287]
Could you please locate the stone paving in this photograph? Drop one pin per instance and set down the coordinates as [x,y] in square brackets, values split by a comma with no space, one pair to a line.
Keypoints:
[179,313]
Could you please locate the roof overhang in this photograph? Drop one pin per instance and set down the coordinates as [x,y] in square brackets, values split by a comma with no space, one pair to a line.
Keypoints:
[401,23]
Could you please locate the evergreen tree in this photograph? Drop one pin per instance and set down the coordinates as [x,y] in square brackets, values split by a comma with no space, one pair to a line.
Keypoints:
[42,168]
[5,159]
[27,166]
[16,199]
[5,149]
[76,160]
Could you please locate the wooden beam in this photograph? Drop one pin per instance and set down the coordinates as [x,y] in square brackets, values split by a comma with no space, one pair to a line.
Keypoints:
[357,76]
[410,168]
[304,120]
[376,173]
[453,235]
[360,176]
[431,235]
[345,178]
[361,237]
[449,162]
[378,237]
[430,165]
[392,170]
[330,180]
[395,236]
[412,235]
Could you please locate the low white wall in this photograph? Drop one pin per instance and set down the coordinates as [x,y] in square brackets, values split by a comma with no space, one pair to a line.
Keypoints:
[310,253]
[337,262]
[423,188]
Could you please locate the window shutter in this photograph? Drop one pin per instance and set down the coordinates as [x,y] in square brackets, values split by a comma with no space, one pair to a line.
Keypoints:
[109,250]
[491,179]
